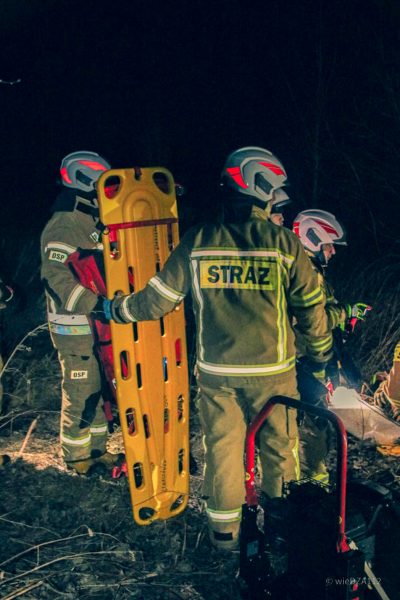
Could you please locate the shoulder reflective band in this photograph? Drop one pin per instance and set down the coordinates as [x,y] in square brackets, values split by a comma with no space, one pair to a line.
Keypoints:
[112,228]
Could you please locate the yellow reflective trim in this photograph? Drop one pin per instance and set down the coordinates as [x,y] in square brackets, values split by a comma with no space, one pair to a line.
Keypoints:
[309,299]
[74,297]
[280,305]
[84,441]
[227,516]
[311,294]
[99,430]
[322,346]
[322,342]
[248,370]
[322,478]
[199,298]
[164,290]
[125,310]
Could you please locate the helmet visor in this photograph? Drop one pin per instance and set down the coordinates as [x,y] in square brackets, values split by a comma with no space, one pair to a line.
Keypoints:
[262,183]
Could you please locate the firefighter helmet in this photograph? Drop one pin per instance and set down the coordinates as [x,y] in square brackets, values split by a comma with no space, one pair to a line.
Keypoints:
[317,227]
[254,172]
[81,170]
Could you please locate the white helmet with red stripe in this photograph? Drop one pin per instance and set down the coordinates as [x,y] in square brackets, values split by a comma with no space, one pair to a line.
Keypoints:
[317,227]
[254,172]
[81,170]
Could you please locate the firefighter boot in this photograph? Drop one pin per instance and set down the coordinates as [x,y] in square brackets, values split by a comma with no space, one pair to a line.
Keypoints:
[224,536]
[82,467]
[107,459]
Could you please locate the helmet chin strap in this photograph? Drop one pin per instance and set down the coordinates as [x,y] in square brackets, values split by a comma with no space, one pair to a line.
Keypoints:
[321,258]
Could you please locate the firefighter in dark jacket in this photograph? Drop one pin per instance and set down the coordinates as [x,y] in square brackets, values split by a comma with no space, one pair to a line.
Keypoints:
[73,225]
[244,274]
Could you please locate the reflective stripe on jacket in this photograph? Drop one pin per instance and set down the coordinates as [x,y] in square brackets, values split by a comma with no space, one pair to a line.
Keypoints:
[335,312]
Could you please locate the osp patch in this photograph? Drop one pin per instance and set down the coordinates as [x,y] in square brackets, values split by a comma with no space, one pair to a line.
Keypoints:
[58,256]
[238,274]
[79,374]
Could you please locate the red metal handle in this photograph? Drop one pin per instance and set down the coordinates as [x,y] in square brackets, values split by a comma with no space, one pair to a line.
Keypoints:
[112,228]
[341,475]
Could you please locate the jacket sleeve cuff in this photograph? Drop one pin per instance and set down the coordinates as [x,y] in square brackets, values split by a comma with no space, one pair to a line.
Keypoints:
[120,310]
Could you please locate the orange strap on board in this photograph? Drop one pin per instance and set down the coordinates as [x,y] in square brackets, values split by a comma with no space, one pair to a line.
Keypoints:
[141,229]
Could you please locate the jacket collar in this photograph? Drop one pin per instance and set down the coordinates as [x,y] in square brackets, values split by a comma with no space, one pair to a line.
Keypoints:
[259,213]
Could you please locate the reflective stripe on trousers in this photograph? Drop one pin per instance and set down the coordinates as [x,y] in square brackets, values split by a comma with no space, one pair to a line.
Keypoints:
[225,516]
[83,424]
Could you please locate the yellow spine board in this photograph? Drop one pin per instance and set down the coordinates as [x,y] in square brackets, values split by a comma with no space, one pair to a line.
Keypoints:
[153,397]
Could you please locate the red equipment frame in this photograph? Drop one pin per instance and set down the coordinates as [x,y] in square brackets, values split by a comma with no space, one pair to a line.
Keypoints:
[341,475]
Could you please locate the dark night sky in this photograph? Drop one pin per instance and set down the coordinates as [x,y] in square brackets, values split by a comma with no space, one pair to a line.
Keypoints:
[182,84]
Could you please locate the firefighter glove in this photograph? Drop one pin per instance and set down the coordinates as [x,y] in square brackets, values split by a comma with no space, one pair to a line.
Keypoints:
[358,310]
[111,310]
[107,309]
[355,313]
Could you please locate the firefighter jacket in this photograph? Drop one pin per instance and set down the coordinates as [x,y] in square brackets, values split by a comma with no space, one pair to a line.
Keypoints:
[335,312]
[244,279]
[68,302]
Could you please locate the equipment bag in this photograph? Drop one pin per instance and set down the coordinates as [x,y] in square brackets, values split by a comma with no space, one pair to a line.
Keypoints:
[140,221]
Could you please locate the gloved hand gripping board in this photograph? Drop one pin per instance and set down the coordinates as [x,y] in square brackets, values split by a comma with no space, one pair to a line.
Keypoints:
[141,230]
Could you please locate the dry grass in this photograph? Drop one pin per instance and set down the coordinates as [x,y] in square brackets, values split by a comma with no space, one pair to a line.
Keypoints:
[376,284]
[63,536]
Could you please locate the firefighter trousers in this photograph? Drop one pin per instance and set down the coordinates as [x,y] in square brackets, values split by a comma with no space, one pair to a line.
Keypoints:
[84,430]
[314,447]
[225,413]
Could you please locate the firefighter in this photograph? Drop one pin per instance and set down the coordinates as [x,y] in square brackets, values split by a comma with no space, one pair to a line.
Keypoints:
[319,231]
[83,431]
[244,273]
